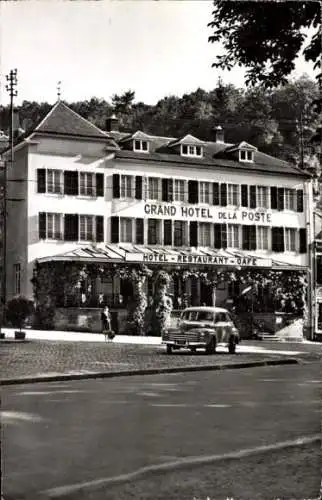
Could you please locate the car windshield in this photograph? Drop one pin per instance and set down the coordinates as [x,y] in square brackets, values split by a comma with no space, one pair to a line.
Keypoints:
[205,316]
[198,316]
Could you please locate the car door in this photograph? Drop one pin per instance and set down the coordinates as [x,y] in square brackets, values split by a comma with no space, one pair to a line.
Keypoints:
[220,325]
[228,327]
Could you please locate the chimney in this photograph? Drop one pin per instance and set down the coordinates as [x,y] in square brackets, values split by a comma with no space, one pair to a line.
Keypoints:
[112,124]
[220,136]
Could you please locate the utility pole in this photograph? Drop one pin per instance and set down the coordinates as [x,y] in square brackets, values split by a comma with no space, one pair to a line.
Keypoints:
[11,88]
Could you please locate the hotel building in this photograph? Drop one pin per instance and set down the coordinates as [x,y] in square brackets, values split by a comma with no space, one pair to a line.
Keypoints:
[80,194]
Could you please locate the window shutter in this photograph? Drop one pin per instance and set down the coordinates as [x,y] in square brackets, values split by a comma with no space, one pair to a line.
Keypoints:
[99,184]
[303,242]
[223,235]
[217,236]
[71,182]
[164,189]
[244,195]
[115,229]
[223,195]
[116,185]
[280,199]
[300,204]
[252,196]
[71,227]
[167,231]
[245,237]
[138,187]
[42,225]
[278,239]
[193,191]
[193,236]
[170,189]
[215,193]
[273,197]
[252,237]
[99,228]
[139,230]
[41,180]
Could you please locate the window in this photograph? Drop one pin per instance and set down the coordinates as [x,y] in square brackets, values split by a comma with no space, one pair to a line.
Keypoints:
[290,199]
[139,145]
[249,237]
[233,194]
[54,181]
[126,225]
[191,150]
[71,182]
[290,239]
[167,232]
[233,236]
[245,155]
[126,186]
[179,233]
[154,232]
[220,235]
[262,238]
[54,226]
[179,194]
[17,278]
[153,188]
[278,239]
[71,227]
[262,197]
[86,228]
[86,184]
[204,234]
[204,188]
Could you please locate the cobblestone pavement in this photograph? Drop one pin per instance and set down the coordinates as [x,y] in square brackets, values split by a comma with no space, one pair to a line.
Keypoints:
[37,357]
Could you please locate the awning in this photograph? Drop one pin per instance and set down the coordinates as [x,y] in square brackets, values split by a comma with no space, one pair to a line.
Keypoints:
[205,256]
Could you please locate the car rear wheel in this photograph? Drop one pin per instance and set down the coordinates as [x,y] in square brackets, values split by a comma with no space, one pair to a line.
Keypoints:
[169,349]
[232,346]
[211,347]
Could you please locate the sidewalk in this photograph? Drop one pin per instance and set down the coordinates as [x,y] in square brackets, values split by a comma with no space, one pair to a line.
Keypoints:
[81,337]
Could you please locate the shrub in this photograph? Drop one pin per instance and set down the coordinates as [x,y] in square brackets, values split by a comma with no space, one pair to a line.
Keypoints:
[17,311]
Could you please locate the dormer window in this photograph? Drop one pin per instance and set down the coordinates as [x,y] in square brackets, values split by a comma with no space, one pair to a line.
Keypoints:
[246,155]
[187,150]
[140,145]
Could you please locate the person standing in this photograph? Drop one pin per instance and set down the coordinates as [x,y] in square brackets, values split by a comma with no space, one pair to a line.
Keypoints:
[106,323]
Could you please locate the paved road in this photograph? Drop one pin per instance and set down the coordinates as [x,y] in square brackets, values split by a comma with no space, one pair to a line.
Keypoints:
[57,434]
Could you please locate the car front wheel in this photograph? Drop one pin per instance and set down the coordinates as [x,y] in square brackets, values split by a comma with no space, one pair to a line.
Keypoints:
[232,346]
[169,349]
[211,347]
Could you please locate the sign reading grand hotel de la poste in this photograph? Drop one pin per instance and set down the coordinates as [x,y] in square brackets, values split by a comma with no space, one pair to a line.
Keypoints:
[215,214]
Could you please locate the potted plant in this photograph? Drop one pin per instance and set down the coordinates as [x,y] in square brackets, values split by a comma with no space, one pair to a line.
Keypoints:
[18,309]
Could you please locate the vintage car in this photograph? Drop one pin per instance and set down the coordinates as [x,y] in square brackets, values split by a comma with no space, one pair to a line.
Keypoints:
[203,327]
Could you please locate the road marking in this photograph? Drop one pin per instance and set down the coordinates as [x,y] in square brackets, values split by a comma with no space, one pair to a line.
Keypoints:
[217,406]
[148,394]
[14,417]
[45,393]
[181,463]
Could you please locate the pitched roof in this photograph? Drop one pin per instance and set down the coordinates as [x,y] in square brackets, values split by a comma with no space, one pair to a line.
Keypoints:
[63,120]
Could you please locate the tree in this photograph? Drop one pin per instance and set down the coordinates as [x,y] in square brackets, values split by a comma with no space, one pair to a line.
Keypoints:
[18,310]
[266,37]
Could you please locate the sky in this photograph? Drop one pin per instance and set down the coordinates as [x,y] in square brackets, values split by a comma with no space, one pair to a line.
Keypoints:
[155,47]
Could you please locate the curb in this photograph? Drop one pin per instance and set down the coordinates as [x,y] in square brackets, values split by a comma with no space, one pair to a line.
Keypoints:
[149,371]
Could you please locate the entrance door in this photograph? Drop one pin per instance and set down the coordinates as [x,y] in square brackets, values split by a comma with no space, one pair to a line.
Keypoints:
[195,299]
[205,294]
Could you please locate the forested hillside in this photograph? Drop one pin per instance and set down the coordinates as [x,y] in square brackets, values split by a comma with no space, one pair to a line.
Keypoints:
[277,121]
